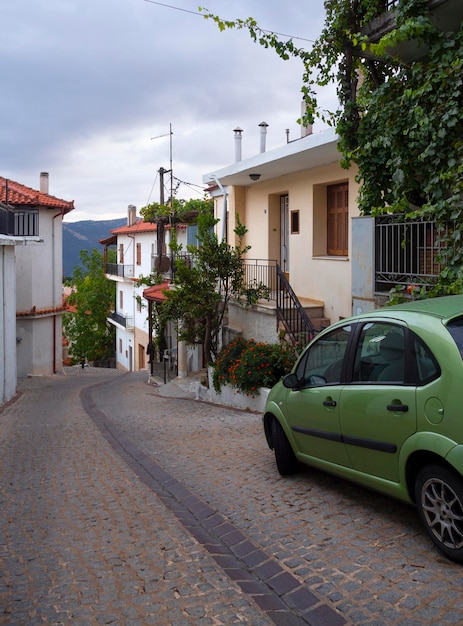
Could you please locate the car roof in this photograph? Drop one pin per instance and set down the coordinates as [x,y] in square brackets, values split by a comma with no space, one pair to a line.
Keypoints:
[444,307]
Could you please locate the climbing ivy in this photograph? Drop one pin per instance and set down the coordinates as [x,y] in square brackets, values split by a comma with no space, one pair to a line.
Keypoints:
[400,122]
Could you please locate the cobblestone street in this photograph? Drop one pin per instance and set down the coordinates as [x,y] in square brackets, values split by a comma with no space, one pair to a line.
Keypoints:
[124,505]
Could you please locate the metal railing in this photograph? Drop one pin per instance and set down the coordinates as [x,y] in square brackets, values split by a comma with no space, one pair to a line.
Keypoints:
[408,251]
[117,269]
[291,313]
[261,272]
[123,320]
[19,223]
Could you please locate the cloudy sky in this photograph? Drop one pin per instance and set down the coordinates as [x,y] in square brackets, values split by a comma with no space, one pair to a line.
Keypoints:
[91,89]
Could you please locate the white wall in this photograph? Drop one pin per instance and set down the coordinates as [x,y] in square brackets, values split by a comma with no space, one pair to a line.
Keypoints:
[8,374]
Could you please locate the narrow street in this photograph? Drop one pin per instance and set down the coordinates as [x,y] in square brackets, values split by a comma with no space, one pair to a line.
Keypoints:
[121,504]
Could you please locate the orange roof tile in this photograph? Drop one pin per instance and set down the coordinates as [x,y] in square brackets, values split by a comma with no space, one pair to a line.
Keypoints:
[20,195]
[140,227]
[155,292]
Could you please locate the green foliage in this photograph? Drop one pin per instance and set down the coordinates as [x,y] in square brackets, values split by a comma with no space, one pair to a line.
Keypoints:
[249,365]
[87,330]
[204,284]
[176,211]
[400,123]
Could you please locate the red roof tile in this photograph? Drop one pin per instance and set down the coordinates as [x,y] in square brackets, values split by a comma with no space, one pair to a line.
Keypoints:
[140,227]
[155,292]
[20,195]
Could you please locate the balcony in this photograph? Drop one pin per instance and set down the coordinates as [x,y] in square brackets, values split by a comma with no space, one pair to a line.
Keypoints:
[19,223]
[117,269]
[117,319]
[446,15]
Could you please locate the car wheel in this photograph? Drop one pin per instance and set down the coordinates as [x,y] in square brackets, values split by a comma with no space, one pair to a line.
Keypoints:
[439,498]
[284,456]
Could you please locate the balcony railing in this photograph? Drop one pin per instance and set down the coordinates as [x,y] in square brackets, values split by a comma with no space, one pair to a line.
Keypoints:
[261,272]
[19,223]
[123,320]
[408,252]
[117,269]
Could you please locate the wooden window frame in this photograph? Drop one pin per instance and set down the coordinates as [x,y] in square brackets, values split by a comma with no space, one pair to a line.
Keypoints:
[337,219]
[295,223]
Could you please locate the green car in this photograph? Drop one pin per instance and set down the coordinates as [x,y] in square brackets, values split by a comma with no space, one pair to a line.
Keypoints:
[378,399]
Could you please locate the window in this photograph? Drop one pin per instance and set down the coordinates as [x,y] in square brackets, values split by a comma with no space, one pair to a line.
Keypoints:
[121,300]
[138,253]
[121,253]
[294,222]
[325,358]
[337,219]
[380,355]
[120,346]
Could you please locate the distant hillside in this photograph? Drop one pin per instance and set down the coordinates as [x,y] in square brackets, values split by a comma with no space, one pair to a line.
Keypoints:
[84,235]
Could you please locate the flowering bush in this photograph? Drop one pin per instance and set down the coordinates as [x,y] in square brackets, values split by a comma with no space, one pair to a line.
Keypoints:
[249,365]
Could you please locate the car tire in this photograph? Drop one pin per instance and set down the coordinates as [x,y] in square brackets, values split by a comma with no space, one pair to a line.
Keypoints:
[439,499]
[285,458]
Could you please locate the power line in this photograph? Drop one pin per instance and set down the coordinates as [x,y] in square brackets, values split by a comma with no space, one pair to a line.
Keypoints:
[170,6]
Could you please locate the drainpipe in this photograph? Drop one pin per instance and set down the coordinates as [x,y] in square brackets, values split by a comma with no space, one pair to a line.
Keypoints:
[60,214]
[224,211]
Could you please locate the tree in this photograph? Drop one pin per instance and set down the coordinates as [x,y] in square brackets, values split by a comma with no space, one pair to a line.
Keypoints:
[87,329]
[204,284]
[401,123]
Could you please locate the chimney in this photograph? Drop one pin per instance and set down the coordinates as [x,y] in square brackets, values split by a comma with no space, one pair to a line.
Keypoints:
[305,130]
[263,135]
[238,138]
[44,182]
[131,215]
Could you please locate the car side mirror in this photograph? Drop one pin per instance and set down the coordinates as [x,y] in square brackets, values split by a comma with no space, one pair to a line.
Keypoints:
[291,381]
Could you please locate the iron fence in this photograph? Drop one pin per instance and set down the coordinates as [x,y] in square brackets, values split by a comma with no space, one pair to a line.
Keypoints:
[408,251]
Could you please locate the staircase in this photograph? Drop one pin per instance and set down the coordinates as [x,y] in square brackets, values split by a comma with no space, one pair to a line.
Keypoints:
[298,319]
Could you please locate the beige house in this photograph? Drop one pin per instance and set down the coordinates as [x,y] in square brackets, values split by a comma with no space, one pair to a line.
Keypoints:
[297,204]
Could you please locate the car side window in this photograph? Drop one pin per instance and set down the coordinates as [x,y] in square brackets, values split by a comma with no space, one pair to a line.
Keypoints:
[426,365]
[380,354]
[323,360]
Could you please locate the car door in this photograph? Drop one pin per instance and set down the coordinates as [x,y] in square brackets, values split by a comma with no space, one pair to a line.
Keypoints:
[378,406]
[312,409]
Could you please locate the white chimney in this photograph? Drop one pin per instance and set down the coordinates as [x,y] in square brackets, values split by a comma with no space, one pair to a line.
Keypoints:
[238,138]
[44,182]
[263,135]
[305,130]
[131,215]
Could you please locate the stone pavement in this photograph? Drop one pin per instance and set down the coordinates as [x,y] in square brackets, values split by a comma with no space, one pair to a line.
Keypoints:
[125,503]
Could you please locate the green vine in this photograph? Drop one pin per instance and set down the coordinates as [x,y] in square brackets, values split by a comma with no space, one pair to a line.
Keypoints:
[399,121]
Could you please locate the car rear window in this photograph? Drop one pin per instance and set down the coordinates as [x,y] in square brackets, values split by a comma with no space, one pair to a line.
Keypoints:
[455,328]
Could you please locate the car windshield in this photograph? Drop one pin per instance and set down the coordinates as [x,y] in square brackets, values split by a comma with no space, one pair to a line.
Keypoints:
[455,328]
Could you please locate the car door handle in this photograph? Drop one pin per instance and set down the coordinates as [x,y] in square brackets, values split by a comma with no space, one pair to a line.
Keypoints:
[329,403]
[398,407]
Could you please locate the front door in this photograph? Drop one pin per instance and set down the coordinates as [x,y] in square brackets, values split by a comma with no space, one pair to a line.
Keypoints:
[284,234]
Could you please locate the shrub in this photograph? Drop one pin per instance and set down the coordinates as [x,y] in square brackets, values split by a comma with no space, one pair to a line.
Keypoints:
[249,365]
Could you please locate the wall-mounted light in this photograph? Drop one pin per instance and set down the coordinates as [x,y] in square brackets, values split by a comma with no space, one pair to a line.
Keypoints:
[254,176]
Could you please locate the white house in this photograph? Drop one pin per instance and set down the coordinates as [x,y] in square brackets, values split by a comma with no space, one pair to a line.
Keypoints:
[37,220]
[137,253]
[8,376]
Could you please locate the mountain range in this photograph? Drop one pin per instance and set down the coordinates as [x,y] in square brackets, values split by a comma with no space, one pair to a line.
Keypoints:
[84,235]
